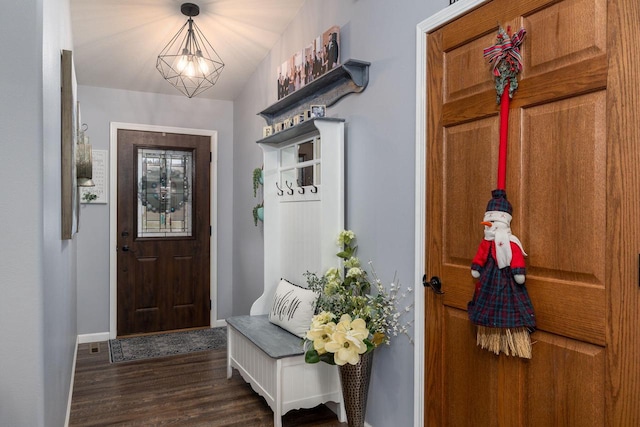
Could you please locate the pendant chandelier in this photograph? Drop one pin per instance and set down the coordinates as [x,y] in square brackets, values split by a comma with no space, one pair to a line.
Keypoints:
[188,61]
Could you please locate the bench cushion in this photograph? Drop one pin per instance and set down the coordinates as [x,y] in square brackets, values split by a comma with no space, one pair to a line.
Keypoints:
[272,339]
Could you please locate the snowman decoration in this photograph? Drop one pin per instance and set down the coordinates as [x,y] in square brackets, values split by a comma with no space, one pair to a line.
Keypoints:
[501,307]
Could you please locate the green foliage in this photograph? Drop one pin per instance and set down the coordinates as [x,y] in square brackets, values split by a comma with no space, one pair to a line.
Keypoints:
[312,356]
[257,178]
[255,213]
[89,197]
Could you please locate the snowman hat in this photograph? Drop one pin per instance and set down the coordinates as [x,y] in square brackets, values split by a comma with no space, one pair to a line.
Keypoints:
[499,208]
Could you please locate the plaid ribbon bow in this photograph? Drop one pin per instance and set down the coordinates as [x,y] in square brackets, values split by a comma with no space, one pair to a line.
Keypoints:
[506,51]
[507,61]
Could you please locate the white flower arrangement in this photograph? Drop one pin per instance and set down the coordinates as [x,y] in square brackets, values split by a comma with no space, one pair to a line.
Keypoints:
[364,320]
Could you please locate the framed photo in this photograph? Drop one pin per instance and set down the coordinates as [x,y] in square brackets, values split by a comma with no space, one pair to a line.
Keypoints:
[331,48]
[318,57]
[267,131]
[318,111]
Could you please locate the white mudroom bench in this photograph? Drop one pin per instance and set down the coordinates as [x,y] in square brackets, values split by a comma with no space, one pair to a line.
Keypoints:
[303,191]
[271,360]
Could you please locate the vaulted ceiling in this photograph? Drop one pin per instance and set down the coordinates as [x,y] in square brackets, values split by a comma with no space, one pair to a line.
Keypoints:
[116,42]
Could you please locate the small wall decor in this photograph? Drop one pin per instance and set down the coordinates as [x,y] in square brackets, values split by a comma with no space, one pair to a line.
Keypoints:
[318,111]
[257,180]
[84,165]
[258,213]
[258,210]
[306,65]
[98,193]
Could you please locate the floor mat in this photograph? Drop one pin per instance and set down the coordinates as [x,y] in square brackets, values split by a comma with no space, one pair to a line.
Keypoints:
[162,345]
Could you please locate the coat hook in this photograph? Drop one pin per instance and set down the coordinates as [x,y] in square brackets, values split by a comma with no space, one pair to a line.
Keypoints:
[314,189]
[280,190]
[290,191]
[300,187]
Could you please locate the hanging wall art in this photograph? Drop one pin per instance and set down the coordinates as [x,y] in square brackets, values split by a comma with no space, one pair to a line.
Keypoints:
[69,135]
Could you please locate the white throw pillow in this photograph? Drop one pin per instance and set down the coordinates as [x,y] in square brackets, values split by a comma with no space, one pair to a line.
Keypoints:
[293,308]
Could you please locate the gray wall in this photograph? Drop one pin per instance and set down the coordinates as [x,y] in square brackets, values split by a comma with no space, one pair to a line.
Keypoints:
[38,269]
[100,107]
[380,163]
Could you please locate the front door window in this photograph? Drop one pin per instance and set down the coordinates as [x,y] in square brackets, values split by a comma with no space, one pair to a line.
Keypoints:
[165,180]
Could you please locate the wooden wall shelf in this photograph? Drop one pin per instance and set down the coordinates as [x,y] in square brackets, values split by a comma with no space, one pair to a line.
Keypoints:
[350,77]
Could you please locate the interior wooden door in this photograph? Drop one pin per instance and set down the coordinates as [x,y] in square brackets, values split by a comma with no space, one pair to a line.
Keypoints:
[163,231]
[568,141]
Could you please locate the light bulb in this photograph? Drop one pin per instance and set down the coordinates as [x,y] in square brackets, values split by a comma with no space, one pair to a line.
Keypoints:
[183,61]
[202,63]
[190,70]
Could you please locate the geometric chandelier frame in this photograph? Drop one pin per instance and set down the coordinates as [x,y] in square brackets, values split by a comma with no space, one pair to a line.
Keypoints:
[188,61]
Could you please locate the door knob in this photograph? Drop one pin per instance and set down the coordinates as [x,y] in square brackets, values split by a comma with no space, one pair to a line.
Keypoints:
[434,283]
[125,248]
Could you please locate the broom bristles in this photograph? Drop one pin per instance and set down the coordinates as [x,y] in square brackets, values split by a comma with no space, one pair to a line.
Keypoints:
[510,341]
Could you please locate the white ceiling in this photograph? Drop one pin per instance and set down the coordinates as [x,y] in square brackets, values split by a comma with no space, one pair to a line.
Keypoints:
[116,42]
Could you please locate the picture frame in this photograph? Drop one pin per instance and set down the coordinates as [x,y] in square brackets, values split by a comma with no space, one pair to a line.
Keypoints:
[70,205]
[318,111]
[99,193]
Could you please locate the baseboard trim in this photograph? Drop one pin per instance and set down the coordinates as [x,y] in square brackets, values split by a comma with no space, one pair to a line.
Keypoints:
[73,378]
[219,323]
[106,336]
[89,338]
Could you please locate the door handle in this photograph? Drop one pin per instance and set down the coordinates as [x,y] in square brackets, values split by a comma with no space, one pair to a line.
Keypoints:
[434,283]
[126,248]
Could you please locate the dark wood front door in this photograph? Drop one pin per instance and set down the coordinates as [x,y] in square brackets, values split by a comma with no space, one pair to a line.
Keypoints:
[574,188]
[163,231]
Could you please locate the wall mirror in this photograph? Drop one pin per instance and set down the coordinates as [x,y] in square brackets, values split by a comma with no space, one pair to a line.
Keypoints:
[300,164]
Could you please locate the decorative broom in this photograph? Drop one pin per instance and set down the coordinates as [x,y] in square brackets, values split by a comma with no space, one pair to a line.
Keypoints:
[501,307]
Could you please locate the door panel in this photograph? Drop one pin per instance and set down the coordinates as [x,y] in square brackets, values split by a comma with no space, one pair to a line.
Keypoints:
[568,271]
[557,184]
[565,383]
[163,232]
[468,371]
[461,84]
[579,24]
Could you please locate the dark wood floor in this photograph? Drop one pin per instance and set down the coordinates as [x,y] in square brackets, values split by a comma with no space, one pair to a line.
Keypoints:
[185,390]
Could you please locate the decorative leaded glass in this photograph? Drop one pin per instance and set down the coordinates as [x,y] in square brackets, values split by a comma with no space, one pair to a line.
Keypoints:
[165,181]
